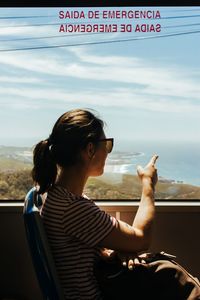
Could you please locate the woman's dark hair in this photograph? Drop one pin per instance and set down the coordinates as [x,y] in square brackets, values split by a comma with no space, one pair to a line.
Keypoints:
[71,133]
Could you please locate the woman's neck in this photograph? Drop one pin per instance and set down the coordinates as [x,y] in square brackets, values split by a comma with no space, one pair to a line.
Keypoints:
[73,179]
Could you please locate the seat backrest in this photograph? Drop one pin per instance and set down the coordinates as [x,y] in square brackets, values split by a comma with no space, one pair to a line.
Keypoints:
[39,248]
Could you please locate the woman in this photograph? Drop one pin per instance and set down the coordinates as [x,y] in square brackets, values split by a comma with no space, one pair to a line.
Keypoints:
[77,229]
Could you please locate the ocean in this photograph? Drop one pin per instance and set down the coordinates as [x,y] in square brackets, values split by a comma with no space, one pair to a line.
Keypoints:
[177,162]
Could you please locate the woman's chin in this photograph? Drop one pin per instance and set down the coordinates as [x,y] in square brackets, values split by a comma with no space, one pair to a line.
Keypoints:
[98,172]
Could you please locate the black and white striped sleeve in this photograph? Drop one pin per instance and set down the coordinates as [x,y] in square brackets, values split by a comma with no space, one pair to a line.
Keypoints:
[84,220]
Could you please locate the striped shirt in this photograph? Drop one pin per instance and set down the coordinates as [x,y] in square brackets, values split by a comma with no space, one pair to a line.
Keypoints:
[75,226]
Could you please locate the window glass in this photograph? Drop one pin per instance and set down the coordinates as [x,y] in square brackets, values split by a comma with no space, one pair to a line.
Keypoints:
[137,67]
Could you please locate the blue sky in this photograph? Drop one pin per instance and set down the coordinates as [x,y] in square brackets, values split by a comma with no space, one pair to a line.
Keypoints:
[145,89]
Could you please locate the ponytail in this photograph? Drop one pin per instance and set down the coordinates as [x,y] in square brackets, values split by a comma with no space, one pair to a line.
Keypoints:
[70,135]
[44,170]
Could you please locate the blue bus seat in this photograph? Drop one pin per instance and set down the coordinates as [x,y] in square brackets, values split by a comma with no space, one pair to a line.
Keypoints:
[39,248]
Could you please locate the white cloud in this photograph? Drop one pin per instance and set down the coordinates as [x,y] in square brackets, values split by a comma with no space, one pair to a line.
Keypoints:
[9,79]
[26,98]
[113,60]
[156,88]
[8,31]
[23,29]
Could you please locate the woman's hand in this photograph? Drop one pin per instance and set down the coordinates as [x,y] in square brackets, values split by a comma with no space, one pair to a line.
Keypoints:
[131,260]
[126,259]
[148,174]
[107,254]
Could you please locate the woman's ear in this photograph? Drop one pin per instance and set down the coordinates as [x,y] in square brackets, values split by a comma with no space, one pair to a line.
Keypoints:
[90,150]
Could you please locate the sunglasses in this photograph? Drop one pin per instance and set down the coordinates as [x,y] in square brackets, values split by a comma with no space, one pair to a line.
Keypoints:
[109,143]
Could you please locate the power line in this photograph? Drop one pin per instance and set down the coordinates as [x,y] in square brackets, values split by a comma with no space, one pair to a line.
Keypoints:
[30,25]
[100,42]
[51,24]
[181,25]
[25,17]
[53,16]
[52,36]
[179,17]
[81,34]
[182,10]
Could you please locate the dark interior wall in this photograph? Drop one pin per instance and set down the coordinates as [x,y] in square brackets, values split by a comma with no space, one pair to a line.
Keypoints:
[17,277]
[176,232]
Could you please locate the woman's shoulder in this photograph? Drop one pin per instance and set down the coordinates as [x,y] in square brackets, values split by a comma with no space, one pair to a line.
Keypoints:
[57,200]
[61,193]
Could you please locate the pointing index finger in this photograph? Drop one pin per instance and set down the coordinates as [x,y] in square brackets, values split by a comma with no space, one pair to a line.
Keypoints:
[153,160]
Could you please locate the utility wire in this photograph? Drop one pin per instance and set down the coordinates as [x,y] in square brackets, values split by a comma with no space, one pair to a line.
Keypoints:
[31,25]
[182,10]
[51,36]
[53,16]
[25,17]
[181,25]
[100,42]
[51,24]
[179,17]
[81,34]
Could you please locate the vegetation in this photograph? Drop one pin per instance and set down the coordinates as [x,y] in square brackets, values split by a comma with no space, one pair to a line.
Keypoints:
[15,184]
[130,188]
[15,181]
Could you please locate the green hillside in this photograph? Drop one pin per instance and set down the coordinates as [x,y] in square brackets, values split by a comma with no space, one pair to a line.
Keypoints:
[15,181]
[11,164]
[14,185]
[130,188]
